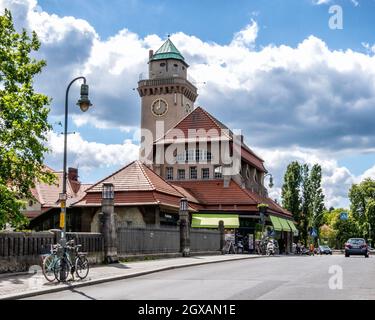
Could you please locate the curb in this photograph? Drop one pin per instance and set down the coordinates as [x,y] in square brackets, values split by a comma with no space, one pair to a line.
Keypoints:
[64,287]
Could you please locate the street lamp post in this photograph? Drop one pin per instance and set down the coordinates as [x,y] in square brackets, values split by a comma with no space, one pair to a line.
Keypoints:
[84,104]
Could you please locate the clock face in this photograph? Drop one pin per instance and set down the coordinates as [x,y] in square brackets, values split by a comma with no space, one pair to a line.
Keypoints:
[159,107]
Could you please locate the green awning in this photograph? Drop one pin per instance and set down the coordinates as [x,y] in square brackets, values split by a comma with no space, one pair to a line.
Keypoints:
[285,225]
[231,221]
[276,223]
[292,226]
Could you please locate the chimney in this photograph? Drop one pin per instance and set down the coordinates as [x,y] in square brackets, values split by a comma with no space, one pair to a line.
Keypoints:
[150,54]
[73,174]
[73,179]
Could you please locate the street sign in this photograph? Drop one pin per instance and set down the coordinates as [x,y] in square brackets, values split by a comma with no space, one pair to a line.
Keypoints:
[314,232]
[343,216]
[62,219]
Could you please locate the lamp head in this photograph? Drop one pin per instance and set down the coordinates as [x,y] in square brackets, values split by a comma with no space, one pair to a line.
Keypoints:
[184,204]
[271,182]
[84,103]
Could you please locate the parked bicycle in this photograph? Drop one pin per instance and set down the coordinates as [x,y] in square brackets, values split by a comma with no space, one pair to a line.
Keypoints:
[48,262]
[72,261]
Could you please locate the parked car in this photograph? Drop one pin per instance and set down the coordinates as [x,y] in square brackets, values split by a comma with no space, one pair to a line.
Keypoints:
[356,246]
[324,249]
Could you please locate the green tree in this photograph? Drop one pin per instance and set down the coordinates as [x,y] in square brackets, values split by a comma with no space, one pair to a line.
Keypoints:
[23,121]
[305,202]
[302,195]
[317,197]
[362,199]
[345,229]
[328,231]
[290,192]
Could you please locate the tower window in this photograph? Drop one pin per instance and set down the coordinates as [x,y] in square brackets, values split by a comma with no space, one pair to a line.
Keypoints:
[162,64]
[218,172]
[193,173]
[181,174]
[175,65]
[205,173]
[169,173]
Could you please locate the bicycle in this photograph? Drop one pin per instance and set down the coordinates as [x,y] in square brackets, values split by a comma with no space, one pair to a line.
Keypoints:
[65,263]
[48,262]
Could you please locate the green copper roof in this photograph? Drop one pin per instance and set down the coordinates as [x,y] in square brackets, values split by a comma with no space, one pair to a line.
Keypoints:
[167,51]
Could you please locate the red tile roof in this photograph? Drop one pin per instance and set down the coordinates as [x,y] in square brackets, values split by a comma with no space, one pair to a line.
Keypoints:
[213,192]
[48,195]
[212,195]
[136,176]
[149,188]
[200,119]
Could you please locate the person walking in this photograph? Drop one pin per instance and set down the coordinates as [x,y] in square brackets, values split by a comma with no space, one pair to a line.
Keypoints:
[311,249]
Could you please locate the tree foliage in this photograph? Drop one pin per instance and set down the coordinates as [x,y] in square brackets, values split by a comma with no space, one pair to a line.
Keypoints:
[290,192]
[345,229]
[362,199]
[303,196]
[23,121]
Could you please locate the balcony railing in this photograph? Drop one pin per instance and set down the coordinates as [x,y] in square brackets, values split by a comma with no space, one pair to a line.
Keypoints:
[167,81]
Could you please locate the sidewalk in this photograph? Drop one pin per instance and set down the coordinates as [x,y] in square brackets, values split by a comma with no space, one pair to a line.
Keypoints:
[14,286]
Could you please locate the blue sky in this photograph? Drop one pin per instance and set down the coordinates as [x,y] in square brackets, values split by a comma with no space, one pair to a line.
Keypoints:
[298,89]
[281,21]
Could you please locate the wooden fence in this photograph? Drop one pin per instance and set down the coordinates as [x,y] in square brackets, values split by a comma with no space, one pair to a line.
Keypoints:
[20,250]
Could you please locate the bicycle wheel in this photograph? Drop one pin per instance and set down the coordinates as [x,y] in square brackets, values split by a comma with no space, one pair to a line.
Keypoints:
[82,267]
[48,265]
[61,269]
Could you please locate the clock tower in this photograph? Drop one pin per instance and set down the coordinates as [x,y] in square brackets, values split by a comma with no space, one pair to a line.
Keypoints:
[166,95]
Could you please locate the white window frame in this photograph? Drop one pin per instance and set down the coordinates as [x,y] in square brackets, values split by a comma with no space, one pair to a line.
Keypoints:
[203,171]
[191,177]
[169,173]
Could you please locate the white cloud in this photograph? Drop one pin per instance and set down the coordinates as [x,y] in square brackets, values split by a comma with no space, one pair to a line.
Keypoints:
[336,180]
[319,2]
[369,173]
[246,36]
[90,155]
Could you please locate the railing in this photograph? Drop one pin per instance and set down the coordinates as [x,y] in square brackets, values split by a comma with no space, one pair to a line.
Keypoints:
[204,240]
[20,250]
[91,242]
[14,244]
[167,81]
[148,240]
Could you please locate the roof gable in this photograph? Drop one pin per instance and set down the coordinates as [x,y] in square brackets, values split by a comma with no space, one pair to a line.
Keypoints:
[136,176]
[207,126]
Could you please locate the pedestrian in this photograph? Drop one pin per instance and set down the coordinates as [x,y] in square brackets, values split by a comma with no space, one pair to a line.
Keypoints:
[298,248]
[311,249]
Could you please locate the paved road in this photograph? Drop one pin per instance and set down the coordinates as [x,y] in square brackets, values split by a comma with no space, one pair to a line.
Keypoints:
[265,278]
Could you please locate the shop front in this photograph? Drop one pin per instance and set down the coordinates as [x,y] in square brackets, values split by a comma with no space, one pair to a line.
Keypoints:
[283,233]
